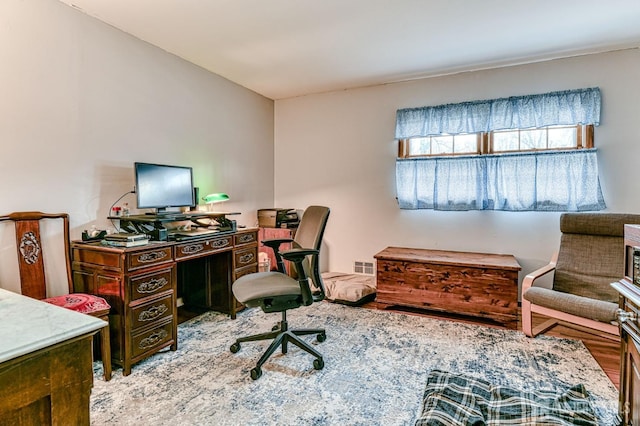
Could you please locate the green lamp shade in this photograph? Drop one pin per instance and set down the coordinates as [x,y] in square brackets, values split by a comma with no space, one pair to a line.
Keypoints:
[215,197]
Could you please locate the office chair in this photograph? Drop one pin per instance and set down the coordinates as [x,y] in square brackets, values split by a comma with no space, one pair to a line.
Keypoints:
[33,282]
[279,292]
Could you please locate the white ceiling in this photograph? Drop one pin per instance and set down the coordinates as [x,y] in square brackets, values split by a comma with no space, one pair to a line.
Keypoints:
[286,48]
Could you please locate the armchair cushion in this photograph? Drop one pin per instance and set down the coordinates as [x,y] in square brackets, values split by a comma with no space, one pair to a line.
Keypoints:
[591,254]
[588,264]
[576,305]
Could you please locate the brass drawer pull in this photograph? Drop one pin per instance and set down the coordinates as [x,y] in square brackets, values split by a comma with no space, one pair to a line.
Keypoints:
[219,243]
[246,238]
[192,249]
[152,256]
[153,339]
[152,313]
[246,258]
[152,285]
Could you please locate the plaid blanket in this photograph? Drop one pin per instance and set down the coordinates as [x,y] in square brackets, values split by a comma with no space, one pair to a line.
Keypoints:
[457,399]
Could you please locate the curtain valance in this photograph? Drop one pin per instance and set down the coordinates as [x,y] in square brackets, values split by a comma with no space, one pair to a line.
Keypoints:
[569,107]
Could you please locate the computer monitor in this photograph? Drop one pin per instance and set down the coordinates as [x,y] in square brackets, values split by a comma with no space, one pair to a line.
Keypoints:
[160,186]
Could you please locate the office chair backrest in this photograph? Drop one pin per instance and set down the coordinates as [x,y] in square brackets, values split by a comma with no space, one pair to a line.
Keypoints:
[591,254]
[309,235]
[33,281]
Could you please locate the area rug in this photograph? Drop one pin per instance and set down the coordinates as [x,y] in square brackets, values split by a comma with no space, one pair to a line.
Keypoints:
[376,367]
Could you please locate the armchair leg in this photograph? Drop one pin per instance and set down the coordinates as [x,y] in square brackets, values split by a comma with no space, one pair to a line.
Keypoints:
[547,325]
[526,315]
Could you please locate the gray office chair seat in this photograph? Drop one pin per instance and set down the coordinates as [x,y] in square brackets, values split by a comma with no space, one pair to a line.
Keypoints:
[266,290]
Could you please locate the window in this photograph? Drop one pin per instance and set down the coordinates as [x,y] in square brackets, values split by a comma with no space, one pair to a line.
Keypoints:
[520,153]
[499,141]
[441,145]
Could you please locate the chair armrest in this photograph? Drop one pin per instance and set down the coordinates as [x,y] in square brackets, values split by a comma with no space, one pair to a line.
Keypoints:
[275,244]
[528,280]
[297,256]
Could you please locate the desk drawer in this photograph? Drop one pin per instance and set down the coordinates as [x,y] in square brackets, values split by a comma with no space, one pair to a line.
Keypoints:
[150,312]
[244,271]
[150,284]
[101,258]
[200,247]
[152,340]
[143,259]
[245,257]
[245,238]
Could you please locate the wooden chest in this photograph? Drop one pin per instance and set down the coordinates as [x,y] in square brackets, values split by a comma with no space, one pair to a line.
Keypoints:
[471,284]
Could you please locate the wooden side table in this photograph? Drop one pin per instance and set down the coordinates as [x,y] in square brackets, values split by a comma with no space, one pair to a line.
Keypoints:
[474,284]
[46,372]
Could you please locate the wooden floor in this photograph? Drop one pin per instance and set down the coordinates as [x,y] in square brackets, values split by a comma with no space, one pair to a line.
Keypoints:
[606,352]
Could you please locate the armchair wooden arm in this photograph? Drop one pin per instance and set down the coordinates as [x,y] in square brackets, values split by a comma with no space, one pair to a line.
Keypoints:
[527,283]
[531,277]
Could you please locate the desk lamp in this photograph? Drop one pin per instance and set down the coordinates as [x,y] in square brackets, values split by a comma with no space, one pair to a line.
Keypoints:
[211,199]
[216,197]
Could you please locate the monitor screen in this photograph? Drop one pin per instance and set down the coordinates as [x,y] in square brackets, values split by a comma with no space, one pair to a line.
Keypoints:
[160,186]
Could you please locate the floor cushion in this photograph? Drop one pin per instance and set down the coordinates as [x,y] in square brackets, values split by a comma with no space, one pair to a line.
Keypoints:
[349,289]
[459,399]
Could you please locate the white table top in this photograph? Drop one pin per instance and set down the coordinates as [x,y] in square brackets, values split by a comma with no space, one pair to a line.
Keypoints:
[27,325]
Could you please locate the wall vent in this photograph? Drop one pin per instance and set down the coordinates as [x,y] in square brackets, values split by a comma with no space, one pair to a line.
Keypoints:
[360,267]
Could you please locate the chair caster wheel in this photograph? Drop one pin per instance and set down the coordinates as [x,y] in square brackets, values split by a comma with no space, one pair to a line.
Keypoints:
[318,363]
[235,347]
[275,327]
[256,372]
[321,337]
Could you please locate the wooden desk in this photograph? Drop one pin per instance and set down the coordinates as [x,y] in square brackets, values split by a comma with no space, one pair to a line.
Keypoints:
[142,285]
[46,372]
[475,284]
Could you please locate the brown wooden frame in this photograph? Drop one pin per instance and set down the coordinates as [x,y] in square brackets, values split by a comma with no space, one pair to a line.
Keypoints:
[584,140]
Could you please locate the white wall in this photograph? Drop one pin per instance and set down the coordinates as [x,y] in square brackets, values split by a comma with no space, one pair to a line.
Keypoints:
[81,101]
[337,149]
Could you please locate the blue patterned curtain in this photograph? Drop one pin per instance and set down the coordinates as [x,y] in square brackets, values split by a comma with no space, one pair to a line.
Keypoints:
[541,181]
[570,107]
